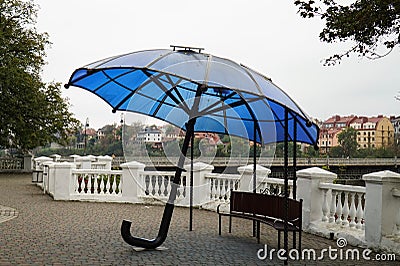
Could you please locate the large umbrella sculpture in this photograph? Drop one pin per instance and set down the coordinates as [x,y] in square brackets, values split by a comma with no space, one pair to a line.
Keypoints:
[197,92]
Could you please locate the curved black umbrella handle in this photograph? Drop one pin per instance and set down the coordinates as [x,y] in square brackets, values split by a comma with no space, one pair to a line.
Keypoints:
[146,243]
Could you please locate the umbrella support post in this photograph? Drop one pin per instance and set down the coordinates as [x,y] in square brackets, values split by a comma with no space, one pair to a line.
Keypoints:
[169,207]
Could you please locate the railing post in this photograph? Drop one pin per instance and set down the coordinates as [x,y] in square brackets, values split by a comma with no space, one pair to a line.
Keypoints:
[381,207]
[107,160]
[308,189]
[28,163]
[85,161]
[130,181]
[63,180]
[201,186]
[246,176]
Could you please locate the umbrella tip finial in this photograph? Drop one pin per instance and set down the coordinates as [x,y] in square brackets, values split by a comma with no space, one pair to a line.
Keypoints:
[66,86]
[114,111]
[308,123]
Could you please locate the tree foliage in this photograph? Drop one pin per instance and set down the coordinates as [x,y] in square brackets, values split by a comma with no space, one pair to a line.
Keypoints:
[32,113]
[348,141]
[372,25]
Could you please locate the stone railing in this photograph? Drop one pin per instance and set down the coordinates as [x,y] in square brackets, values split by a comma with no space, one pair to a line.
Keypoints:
[96,184]
[365,216]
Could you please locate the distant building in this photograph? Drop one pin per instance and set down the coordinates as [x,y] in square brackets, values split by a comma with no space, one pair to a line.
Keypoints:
[372,132]
[329,130]
[396,125]
[150,134]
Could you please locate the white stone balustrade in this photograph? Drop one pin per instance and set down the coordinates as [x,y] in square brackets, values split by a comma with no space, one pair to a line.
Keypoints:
[220,186]
[348,212]
[90,182]
[368,216]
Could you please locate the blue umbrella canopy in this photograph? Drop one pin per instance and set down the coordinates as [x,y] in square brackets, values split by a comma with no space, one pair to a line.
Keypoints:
[162,83]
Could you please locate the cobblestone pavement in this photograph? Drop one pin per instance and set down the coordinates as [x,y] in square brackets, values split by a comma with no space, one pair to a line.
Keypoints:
[48,232]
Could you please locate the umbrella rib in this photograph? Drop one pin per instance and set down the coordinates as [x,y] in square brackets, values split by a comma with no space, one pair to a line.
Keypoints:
[175,84]
[168,92]
[231,105]
[114,80]
[222,100]
[132,91]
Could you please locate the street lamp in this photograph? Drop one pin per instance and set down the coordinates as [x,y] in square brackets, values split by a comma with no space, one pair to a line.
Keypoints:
[86,126]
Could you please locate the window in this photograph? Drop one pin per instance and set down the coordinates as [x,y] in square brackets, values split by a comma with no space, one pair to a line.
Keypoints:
[358,133]
[365,133]
[373,139]
[359,139]
[365,139]
[373,133]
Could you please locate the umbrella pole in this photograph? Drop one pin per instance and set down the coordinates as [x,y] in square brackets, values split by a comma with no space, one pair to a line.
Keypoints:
[255,229]
[191,183]
[169,206]
[285,168]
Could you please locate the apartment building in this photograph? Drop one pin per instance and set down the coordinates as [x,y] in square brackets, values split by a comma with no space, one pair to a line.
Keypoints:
[372,132]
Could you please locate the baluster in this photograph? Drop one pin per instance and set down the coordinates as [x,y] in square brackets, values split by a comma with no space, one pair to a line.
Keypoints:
[345,210]
[332,207]
[290,192]
[89,184]
[114,184]
[165,182]
[325,209]
[147,184]
[103,181]
[119,184]
[362,222]
[96,184]
[76,183]
[216,189]
[352,213]
[211,188]
[339,208]
[223,191]
[108,183]
[360,212]
[153,185]
[159,184]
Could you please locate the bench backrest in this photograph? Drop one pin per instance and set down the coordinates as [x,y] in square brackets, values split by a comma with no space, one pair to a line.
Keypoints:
[265,204]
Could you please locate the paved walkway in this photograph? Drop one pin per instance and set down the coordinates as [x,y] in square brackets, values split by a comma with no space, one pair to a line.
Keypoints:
[48,232]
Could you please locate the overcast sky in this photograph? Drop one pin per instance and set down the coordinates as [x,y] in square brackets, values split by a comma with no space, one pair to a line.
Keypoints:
[268,36]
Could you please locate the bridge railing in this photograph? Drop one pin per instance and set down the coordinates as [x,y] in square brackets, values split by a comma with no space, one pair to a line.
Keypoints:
[267,161]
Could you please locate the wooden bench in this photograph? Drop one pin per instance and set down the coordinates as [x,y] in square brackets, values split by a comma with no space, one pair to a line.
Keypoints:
[266,209]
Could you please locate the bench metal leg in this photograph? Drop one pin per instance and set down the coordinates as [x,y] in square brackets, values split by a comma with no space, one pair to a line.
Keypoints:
[230,224]
[258,232]
[299,242]
[279,239]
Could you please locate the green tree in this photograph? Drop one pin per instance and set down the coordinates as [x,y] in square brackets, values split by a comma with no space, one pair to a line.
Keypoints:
[32,113]
[373,26]
[348,141]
